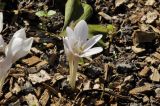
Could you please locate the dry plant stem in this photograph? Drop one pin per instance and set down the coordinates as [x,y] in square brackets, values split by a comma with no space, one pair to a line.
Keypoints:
[73,65]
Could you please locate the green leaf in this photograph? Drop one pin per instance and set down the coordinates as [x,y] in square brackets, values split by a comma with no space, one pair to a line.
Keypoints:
[81,61]
[41,13]
[87,12]
[97,29]
[76,11]
[110,29]
[50,13]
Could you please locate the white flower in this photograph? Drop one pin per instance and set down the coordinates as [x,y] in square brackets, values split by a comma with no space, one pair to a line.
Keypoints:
[77,45]
[18,47]
[76,41]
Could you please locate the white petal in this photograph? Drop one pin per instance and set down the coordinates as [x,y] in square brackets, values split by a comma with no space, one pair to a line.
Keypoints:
[1,41]
[26,46]
[92,42]
[20,34]
[5,65]
[67,44]
[1,21]
[70,32]
[14,46]
[92,51]
[81,31]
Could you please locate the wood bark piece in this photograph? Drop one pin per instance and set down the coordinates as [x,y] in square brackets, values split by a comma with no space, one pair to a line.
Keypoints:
[155,76]
[137,49]
[31,100]
[156,55]
[44,98]
[142,89]
[39,77]
[142,37]
[144,72]
[119,2]
[31,61]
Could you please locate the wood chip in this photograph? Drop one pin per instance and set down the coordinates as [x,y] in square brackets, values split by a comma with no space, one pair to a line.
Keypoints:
[151,16]
[39,77]
[156,55]
[31,61]
[155,76]
[36,51]
[31,100]
[144,72]
[147,87]
[41,64]
[137,49]
[119,2]
[16,88]
[105,16]
[142,37]
[150,2]
[44,98]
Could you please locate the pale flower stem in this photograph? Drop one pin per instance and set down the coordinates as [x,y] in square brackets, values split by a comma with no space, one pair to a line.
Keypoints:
[73,71]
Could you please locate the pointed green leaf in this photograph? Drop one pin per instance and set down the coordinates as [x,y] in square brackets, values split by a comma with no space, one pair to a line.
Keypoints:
[50,13]
[40,13]
[76,11]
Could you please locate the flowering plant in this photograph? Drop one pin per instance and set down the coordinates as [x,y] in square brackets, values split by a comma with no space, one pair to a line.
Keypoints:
[18,47]
[77,45]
